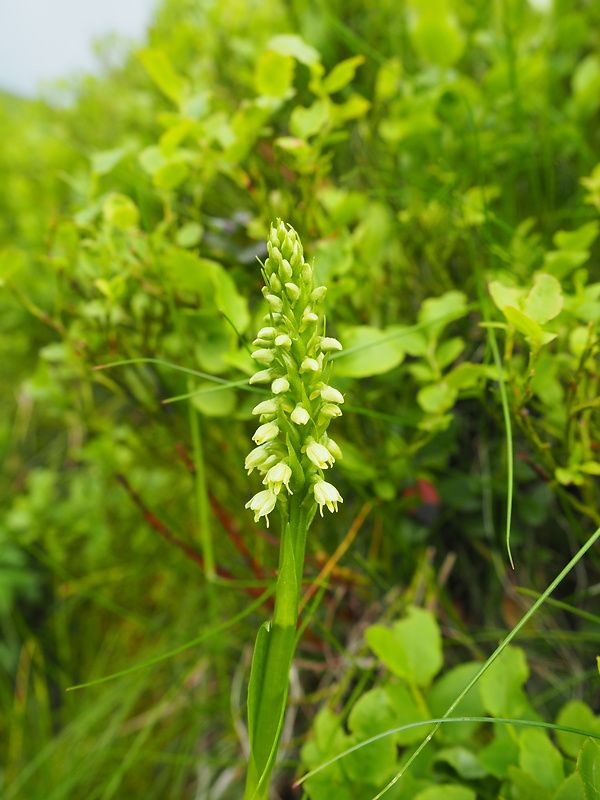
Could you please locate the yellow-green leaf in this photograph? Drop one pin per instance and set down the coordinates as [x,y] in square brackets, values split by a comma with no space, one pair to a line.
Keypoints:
[161,71]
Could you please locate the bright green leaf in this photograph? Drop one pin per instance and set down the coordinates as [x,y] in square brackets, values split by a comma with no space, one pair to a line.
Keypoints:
[438,40]
[306,122]
[367,352]
[451,306]
[437,398]
[445,691]
[545,300]
[539,757]
[214,400]
[170,175]
[575,714]
[570,789]
[523,323]
[525,786]
[105,161]
[501,683]
[447,791]
[274,74]
[504,296]
[161,71]
[289,44]
[120,211]
[464,762]
[342,74]
[580,239]
[588,766]
[411,648]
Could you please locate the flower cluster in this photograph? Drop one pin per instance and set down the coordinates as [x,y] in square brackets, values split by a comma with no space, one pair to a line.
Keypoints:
[293,448]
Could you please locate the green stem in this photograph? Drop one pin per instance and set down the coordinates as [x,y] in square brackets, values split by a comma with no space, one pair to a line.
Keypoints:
[273,655]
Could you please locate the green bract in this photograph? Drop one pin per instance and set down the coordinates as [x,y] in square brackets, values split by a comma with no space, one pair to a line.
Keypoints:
[294,446]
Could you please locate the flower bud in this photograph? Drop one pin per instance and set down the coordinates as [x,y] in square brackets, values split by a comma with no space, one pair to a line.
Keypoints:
[266,432]
[264,356]
[266,407]
[264,376]
[255,458]
[297,255]
[318,294]
[285,270]
[329,343]
[275,302]
[300,415]
[309,365]
[280,385]
[274,283]
[331,395]
[283,340]
[266,333]
[333,447]
[307,273]
[329,411]
[293,292]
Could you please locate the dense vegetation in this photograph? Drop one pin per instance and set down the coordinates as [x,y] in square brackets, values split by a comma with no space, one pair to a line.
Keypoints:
[440,161]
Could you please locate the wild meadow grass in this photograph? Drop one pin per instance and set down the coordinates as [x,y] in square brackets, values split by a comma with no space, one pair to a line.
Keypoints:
[440,165]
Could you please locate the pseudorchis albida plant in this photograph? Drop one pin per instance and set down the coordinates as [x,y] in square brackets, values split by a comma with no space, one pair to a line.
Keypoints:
[293,451]
[293,446]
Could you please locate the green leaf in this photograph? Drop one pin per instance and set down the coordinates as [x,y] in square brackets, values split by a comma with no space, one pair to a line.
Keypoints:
[590,467]
[371,715]
[411,648]
[215,400]
[580,239]
[341,74]
[504,296]
[449,351]
[388,81]
[448,791]
[498,756]
[367,353]
[575,714]
[452,305]
[570,789]
[500,685]
[11,261]
[306,122]
[539,757]
[257,676]
[561,262]
[289,44]
[527,788]
[188,272]
[464,762]
[105,161]
[443,693]
[170,175]
[274,74]
[189,235]
[160,69]
[545,300]
[151,159]
[406,711]
[438,40]
[437,398]
[588,767]
[527,326]
[120,211]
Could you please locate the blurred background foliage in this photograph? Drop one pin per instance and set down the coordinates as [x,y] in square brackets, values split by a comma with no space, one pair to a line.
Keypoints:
[440,161]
